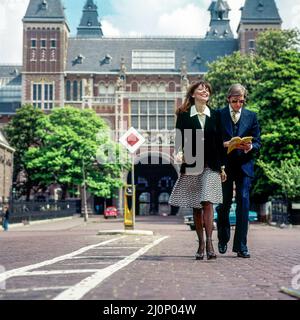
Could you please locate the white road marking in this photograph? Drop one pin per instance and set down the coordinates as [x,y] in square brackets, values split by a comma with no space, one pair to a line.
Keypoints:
[57,272]
[18,272]
[96,257]
[82,288]
[35,289]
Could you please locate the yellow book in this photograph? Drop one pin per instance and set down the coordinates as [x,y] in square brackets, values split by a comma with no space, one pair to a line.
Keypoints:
[236,141]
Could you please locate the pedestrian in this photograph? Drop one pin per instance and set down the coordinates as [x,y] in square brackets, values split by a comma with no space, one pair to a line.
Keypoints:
[236,121]
[199,186]
[5,218]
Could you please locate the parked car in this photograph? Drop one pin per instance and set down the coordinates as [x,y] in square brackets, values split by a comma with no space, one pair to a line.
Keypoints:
[189,219]
[110,212]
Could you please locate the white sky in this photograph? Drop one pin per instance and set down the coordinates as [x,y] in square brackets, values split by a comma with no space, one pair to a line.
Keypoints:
[136,17]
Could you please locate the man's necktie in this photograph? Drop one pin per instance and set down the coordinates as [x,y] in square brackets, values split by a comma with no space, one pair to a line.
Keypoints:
[234,117]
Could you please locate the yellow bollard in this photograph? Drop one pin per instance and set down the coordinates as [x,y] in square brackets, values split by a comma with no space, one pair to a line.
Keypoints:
[129,207]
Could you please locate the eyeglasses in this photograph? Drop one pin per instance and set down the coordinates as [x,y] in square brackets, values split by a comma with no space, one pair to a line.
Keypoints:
[236,101]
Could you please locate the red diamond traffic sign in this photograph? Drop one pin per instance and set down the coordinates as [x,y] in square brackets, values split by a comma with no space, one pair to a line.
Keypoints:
[132,140]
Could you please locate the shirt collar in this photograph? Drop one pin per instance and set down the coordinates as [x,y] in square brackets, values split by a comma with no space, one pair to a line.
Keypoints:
[194,111]
[238,112]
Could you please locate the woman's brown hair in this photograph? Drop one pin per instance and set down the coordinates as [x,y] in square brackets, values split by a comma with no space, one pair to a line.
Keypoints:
[189,100]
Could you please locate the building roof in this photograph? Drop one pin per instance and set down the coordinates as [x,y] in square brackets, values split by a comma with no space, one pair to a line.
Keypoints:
[10,88]
[10,71]
[260,11]
[2,139]
[93,52]
[45,10]
[89,25]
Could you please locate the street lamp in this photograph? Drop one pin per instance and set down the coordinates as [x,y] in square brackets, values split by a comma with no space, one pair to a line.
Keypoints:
[84,196]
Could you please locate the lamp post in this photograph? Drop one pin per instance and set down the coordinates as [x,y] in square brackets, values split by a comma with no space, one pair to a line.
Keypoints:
[84,196]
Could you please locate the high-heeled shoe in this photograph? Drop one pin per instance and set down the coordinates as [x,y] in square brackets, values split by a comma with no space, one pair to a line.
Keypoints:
[210,252]
[200,253]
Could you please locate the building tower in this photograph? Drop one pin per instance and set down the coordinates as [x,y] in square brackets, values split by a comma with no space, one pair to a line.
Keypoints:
[219,23]
[257,16]
[45,36]
[90,27]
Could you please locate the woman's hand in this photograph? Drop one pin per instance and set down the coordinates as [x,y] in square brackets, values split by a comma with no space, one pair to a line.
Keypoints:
[179,158]
[223,176]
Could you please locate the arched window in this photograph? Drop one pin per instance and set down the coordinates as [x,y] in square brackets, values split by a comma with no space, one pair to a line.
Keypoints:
[68,90]
[172,87]
[75,90]
[162,87]
[102,89]
[134,87]
[111,89]
[144,87]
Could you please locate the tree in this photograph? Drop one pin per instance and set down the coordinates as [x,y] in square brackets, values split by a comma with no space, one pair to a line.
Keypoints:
[286,176]
[22,134]
[224,72]
[277,95]
[71,141]
[271,43]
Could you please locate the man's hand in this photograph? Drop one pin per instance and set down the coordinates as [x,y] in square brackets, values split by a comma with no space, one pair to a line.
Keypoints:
[245,146]
[226,144]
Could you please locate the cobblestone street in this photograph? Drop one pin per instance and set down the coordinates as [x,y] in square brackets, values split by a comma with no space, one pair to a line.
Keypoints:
[68,260]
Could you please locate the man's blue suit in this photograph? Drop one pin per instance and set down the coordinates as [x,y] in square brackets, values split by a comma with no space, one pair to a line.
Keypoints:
[239,169]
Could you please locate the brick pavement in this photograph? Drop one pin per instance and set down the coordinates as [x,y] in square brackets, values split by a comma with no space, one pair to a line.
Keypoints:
[168,270]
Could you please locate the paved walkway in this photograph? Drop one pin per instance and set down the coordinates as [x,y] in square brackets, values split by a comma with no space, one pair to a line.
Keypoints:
[68,260]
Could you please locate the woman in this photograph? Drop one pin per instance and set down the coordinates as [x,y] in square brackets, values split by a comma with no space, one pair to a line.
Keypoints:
[198,186]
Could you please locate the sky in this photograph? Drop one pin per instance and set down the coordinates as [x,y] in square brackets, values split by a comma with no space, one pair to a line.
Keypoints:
[132,18]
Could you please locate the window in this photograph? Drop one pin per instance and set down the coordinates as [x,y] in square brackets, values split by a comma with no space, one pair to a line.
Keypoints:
[153,115]
[148,59]
[75,90]
[43,95]
[33,43]
[251,44]
[53,43]
[68,90]
[43,43]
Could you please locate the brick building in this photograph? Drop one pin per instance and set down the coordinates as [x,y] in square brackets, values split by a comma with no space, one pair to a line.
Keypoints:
[6,169]
[135,82]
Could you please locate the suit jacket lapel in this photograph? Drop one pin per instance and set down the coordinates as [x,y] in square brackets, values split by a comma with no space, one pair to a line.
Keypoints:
[243,123]
[228,122]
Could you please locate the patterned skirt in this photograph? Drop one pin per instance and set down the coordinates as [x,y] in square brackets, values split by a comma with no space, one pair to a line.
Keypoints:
[191,190]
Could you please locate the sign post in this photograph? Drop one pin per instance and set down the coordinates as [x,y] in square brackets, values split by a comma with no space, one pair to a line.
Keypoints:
[132,140]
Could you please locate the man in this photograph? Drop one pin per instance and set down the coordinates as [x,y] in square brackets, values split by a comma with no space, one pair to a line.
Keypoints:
[236,121]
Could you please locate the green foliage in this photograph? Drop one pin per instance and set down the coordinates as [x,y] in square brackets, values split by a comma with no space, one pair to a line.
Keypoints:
[277,95]
[286,176]
[224,72]
[272,42]
[72,141]
[272,78]
[21,134]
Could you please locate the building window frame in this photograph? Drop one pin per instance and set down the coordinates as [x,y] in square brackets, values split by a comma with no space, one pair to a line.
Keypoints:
[43,43]
[43,94]
[33,43]
[153,59]
[153,115]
